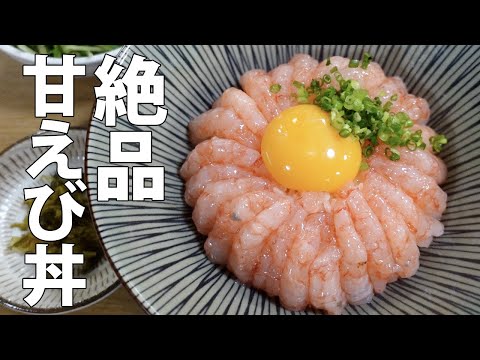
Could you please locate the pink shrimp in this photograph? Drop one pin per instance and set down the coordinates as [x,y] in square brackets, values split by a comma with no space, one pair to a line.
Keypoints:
[275,250]
[428,195]
[389,87]
[402,243]
[381,266]
[211,173]
[274,254]
[422,160]
[369,78]
[416,107]
[219,151]
[325,291]
[232,215]
[353,264]
[303,68]
[205,211]
[314,202]
[223,123]
[325,279]
[294,284]
[283,76]
[246,109]
[248,243]
[424,227]
[256,84]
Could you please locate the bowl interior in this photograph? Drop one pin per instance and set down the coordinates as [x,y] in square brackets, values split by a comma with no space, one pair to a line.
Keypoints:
[13,179]
[155,247]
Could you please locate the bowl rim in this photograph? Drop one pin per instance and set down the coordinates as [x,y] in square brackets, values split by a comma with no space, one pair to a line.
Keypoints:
[12,51]
[120,278]
[120,59]
[76,306]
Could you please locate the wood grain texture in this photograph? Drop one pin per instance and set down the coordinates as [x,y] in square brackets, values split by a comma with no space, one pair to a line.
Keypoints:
[17,121]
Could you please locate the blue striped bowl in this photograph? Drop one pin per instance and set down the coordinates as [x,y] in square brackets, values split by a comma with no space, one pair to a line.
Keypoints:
[159,255]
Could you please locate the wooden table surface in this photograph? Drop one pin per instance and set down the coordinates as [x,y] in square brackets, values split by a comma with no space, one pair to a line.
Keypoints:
[17,121]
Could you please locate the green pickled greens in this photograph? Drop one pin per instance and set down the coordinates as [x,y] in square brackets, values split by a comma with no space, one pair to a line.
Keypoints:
[59,50]
[83,234]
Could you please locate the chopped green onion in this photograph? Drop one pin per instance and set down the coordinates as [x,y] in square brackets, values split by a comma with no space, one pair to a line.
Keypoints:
[336,121]
[367,58]
[412,146]
[354,113]
[345,132]
[368,151]
[387,106]
[329,62]
[302,92]
[364,166]
[298,84]
[392,154]
[353,63]
[315,87]
[275,88]
[437,142]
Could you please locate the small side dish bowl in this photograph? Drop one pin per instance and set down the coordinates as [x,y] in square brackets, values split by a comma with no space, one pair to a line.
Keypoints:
[101,281]
[91,62]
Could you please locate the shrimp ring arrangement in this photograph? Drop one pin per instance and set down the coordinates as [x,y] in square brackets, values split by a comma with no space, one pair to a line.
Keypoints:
[317,182]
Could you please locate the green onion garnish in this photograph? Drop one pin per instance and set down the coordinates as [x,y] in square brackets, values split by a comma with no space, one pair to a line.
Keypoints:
[302,92]
[354,113]
[367,151]
[366,60]
[392,154]
[345,132]
[353,63]
[275,88]
[437,142]
[314,86]
[364,166]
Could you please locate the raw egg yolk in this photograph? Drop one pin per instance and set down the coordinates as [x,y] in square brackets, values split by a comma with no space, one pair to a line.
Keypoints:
[304,152]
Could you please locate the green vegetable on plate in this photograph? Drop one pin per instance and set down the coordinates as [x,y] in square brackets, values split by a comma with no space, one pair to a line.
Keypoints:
[59,50]
[83,234]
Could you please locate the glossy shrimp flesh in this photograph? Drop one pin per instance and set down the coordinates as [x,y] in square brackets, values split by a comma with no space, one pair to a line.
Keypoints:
[310,249]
